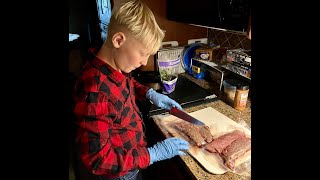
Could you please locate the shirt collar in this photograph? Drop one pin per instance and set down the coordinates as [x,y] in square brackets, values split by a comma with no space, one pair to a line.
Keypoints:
[106,69]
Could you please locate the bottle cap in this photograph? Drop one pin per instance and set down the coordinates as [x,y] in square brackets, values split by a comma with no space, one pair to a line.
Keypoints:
[242,86]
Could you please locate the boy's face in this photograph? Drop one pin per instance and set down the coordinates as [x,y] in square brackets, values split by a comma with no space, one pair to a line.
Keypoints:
[130,55]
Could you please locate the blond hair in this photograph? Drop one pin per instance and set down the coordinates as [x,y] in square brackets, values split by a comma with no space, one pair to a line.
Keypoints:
[138,19]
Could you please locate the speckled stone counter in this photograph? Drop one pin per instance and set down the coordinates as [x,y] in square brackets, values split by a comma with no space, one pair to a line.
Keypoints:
[225,108]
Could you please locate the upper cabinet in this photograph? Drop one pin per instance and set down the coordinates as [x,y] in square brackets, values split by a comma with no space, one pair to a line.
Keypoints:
[221,14]
[200,12]
[234,14]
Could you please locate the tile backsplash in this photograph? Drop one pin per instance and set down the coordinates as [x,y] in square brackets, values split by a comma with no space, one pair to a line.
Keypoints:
[229,39]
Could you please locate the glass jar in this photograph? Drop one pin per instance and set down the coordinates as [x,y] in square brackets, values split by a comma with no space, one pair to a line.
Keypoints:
[241,97]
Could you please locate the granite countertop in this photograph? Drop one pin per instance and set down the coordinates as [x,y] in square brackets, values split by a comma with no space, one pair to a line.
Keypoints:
[224,106]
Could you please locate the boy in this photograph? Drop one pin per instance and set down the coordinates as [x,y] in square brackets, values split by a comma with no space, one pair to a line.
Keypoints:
[110,136]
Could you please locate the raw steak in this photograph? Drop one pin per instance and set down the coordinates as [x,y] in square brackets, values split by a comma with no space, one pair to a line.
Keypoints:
[205,133]
[200,135]
[235,150]
[220,143]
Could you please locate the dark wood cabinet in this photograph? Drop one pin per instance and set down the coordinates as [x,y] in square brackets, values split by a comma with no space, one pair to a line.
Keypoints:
[221,14]
[200,12]
[234,14]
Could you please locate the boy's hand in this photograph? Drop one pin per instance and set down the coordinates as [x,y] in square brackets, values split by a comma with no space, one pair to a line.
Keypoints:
[167,149]
[161,100]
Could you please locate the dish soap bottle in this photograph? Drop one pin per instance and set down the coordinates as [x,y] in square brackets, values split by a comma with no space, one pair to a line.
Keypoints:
[241,97]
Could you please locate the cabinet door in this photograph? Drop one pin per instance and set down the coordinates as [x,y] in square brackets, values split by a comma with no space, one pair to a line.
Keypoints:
[234,14]
[199,12]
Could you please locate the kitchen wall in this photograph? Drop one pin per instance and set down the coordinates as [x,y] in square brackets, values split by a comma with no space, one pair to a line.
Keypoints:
[174,31]
[229,39]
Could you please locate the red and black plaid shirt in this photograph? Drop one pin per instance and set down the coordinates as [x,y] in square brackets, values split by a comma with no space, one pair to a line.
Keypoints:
[111,137]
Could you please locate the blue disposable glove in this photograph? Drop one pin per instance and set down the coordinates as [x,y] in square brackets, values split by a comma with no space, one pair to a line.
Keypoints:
[167,149]
[161,100]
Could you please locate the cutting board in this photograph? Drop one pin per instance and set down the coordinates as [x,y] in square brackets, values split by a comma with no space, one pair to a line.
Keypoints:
[218,124]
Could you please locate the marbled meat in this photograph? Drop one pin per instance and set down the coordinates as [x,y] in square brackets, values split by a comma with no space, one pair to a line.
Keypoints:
[220,143]
[200,135]
[235,150]
[205,133]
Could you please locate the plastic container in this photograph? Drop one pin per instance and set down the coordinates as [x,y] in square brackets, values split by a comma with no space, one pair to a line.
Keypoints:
[169,86]
[241,97]
[189,53]
[197,72]
[230,87]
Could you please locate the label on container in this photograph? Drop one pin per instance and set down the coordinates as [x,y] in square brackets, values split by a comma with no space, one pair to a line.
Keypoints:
[204,55]
[243,100]
[240,100]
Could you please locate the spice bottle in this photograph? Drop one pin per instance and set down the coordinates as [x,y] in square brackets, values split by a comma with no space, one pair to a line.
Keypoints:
[241,97]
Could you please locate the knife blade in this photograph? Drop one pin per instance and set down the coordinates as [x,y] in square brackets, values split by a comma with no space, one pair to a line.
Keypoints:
[185,116]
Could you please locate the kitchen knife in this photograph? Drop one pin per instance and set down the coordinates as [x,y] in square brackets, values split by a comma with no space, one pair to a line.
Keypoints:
[185,116]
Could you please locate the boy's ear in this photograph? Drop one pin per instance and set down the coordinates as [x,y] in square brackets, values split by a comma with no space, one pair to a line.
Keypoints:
[118,39]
